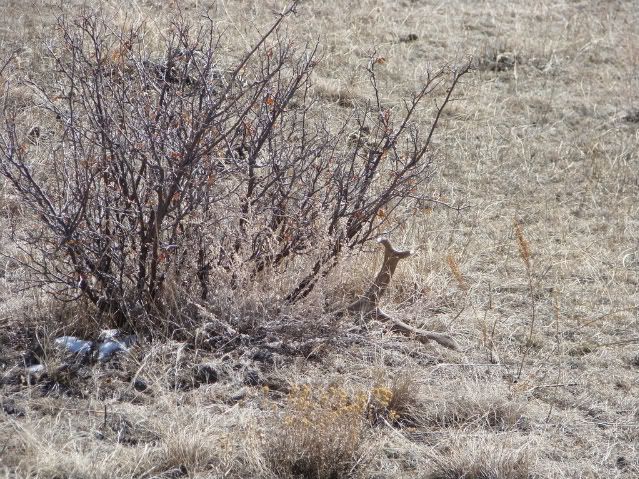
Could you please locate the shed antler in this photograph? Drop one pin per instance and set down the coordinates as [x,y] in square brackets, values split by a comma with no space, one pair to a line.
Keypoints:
[368,304]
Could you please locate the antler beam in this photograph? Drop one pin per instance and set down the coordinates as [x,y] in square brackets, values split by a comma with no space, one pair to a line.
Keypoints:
[367,306]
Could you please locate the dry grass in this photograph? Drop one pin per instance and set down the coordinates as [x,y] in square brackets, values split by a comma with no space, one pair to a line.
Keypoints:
[479,405]
[482,458]
[543,135]
[318,436]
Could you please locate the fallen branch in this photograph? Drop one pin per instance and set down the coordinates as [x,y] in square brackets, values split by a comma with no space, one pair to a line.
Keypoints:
[367,306]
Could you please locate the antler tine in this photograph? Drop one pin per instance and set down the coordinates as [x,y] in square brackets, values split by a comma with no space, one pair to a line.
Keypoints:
[389,250]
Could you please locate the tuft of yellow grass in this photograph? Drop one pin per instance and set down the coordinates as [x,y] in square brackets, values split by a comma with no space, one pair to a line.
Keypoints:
[319,434]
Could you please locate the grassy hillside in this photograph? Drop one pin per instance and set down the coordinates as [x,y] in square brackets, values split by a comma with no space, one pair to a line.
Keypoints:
[529,258]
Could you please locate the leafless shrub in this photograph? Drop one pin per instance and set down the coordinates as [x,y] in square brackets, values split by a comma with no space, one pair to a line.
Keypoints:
[163,177]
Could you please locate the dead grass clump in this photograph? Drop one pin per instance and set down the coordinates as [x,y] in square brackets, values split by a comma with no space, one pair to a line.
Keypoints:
[319,435]
[67,441]
[395,402]
[188,449]
[482,459]
[51,448]
[473,409]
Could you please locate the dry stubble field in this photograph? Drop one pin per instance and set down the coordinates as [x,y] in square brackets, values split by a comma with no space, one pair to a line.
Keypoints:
[542,134]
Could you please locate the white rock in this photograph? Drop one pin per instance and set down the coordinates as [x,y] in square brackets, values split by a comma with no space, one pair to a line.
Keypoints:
[73,344]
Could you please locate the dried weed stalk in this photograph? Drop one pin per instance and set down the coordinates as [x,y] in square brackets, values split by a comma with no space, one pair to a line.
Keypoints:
[453,265]
[524,253]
